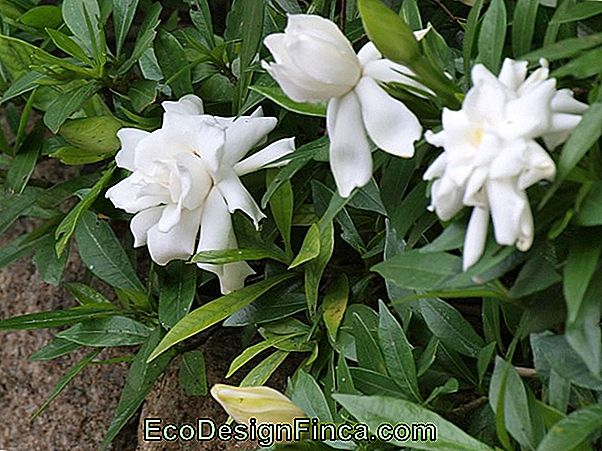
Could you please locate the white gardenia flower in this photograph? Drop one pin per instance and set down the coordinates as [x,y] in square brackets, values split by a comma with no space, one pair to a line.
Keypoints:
[315,62]
[185,177]
[490,154]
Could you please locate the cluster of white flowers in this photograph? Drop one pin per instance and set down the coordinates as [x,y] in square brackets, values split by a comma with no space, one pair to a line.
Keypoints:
[490,154]
[185,175]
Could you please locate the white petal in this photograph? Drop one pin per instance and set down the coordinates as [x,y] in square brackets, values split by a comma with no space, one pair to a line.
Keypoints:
[178,243]
[129,138]
[539,166]
[238,198]
[446,198]
[217,234]
[436,168]
[245,133]
[127,195]
[169,218]
[513,73]
[350,157]
[390,124]
[530,115]
[511,213]
[325,63]
[209,141]
[563,102]
[476,237]
[187,105]
[318,27]
[368,53]
[387,71]
[266,156]
[298,88]
[474,194]
[142,223]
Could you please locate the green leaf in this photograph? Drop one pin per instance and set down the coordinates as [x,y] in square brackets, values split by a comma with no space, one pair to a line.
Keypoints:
[95,134]
[138,384]
[377,410]
[146,36]
[57,318]
[173,62]
[418,271]
[262,372]
[281,205]
[411,14]
[64,381]
[68,45]
[56,348]
[580,266]
[104,332]
[85,294]
[584,66]
[66,104]
[276,95]
[253,351]
[42,16]
[521,416]
[47,263]
[580,11]
[492,36]
[19,57]
[192,373]
[201,19]
[176,292]
[103,255]
[523,26]
[307,395]
[315,268]
[123,16]
[220,257]
[537,274]
[573,430]
[24,162]
[310,248]
[449,326]
[215,311]
[565,48]
[82,17]
[251,26]
[397,352]
[335,303]
[470,36]
[389,32]
[590,211]
[368,352]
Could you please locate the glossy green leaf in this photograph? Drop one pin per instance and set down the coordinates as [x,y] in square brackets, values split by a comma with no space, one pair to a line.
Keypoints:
[262,372]
[173,62]
[335,303]
[307,395]
[492,36]
[449,326]
[64,381]
[58,347]
[220,257]
[177,290]
[215,311]
[573,430]
[104,256]
[139,381]
[112,331]
[123,16]
[523,26]
[276,95]
[67,104]
[192,373]
[96,134]
[310,248]
[57,318]
[376,410]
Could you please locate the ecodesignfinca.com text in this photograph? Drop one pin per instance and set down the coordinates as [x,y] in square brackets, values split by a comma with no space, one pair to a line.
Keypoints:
[266,434]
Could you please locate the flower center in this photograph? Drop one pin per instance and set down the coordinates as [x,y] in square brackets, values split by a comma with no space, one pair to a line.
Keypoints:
[476,136]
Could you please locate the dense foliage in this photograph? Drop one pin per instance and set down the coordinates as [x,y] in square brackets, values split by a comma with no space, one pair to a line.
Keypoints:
[369,288]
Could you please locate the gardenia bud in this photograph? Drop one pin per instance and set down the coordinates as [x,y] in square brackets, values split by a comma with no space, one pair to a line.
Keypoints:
[264,404]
